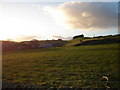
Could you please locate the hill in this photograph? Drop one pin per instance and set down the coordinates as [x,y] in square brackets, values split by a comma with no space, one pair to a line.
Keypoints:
[33,44]
[79,40]
[94,40]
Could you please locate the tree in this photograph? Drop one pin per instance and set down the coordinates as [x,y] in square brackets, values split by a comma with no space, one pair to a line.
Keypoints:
[78,36]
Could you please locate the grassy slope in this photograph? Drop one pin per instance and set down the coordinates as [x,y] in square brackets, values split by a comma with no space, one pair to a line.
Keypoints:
[74,42]
[71,66]
[78,41]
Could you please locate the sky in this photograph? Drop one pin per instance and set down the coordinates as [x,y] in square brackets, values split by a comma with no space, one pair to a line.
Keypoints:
[21,21]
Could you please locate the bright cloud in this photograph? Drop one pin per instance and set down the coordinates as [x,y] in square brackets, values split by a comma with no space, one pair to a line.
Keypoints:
[26,38]
[86,15]
[61,37]
[56,13]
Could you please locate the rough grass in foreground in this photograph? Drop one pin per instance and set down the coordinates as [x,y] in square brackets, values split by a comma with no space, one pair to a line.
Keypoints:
[81,66]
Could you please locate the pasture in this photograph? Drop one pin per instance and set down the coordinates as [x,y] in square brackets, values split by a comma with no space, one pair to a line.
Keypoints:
[80,66]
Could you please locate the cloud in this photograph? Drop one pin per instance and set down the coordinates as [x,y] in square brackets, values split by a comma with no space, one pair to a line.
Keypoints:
[86,15]
[26,38]
[61,37]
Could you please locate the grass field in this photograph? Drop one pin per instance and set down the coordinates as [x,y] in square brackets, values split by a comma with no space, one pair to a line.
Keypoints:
[80,66]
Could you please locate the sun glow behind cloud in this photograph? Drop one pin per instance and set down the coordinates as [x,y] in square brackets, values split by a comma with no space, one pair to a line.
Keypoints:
[57,14]
[18,20]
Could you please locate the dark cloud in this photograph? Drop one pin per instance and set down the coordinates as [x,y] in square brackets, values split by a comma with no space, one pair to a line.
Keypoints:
[61,37]
[90,15]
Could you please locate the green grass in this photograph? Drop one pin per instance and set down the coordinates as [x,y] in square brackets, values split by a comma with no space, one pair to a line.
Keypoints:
[78,41]
[81,66]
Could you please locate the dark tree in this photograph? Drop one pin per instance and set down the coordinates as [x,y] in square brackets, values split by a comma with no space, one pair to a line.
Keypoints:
[78,36]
